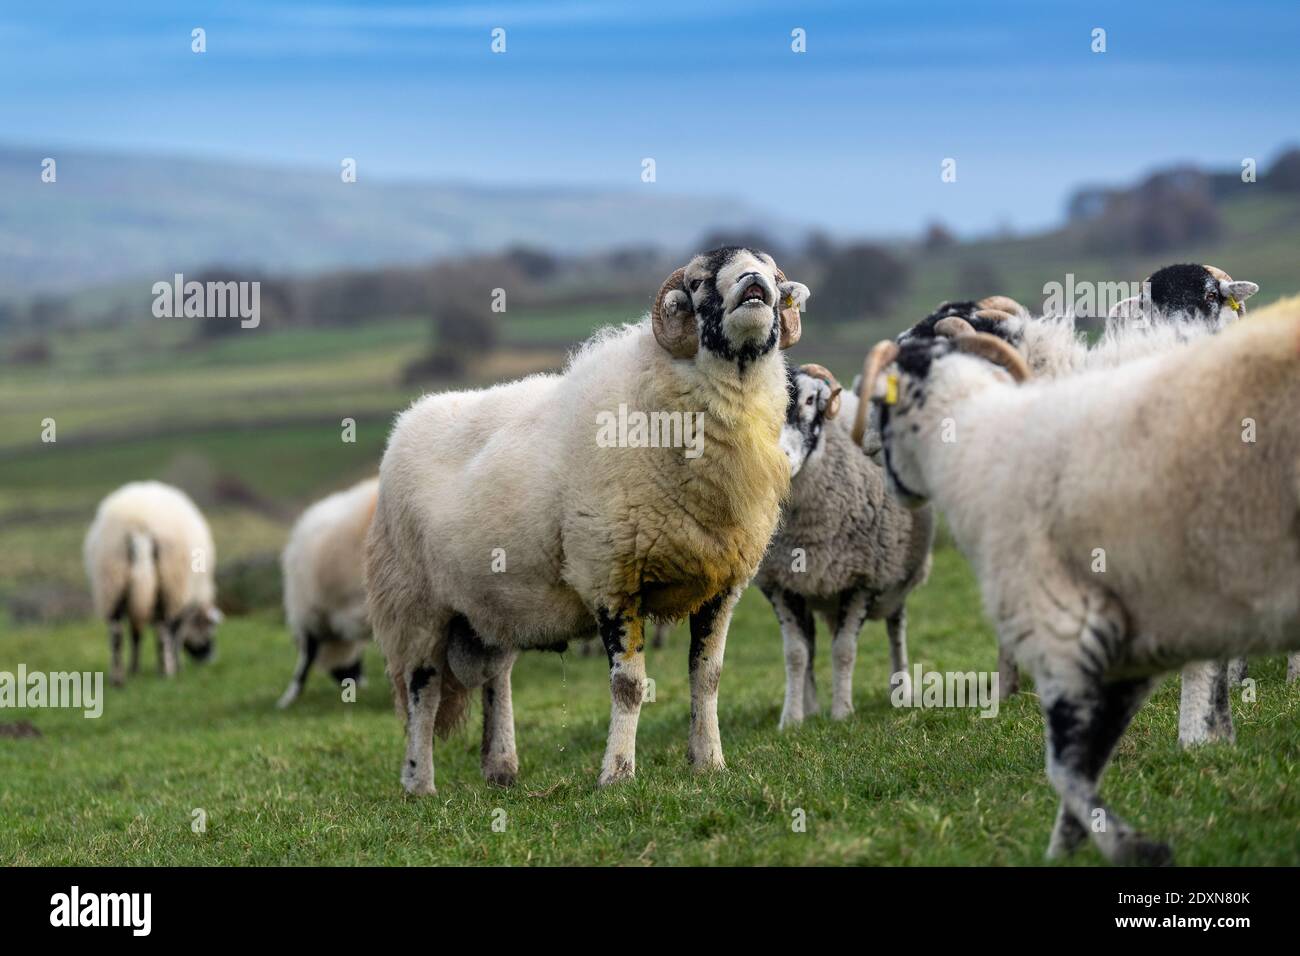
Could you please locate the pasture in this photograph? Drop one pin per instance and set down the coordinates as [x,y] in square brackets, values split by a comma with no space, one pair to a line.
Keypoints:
[251,426]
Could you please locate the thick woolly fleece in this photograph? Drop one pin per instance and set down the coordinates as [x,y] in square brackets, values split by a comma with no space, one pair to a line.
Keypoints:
[848,550]
[500,508]
[1149,464]
[324,585]
[150,560]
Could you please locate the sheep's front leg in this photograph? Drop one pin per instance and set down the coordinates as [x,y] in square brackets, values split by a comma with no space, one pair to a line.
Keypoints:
[708,644]
[167,650]
[798,632]
[1008,674]
[623,635]
[1204,709]
[1293,668]
[499,760]
[116,677]
[135,649]
[854,606]
[1085,719]
[896,628]
[423,694]
[308,646]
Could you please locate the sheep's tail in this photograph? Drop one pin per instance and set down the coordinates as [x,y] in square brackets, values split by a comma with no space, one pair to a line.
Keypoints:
[453,706]
[142,577]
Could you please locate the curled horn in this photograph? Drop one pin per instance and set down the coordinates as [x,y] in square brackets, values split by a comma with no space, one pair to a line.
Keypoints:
[1002,303]
[791,324]
[881,354]
[674,325]
[993,349]
[813,370]
[953,326]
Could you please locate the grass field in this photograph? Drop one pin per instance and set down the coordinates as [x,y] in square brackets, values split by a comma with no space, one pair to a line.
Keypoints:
[318,784]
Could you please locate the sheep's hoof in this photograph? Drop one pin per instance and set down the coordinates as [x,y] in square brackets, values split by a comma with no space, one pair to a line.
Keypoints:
[841,711]
[623,769]
[708,762]
[501,775]
[1140,851]
[286,699]
[418,786]
[788,722]
[117,680]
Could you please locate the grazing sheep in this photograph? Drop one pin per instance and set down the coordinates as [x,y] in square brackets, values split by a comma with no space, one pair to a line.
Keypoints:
[516,517]
[324,586]
[149,557]
[1144,465]
[845,547]
[1178,304]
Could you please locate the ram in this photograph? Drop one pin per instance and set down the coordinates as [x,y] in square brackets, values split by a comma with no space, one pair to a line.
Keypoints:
[1146,464]
[845,548]
[510,518]
[150,559]
[324,586]
[1178,304]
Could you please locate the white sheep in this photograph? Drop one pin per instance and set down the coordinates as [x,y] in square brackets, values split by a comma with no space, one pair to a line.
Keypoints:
[845,547]
[525,515]
[1120,522]
[150,560]
[324,586]
[1178,304]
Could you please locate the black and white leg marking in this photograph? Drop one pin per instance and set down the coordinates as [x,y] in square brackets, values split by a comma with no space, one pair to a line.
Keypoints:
[135,649]
[116,676]
[708,645]
[896,629]
[424,691]
[622,633]
[308,647]
[1204,706]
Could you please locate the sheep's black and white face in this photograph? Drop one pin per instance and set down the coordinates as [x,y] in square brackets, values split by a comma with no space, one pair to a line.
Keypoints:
[1195,293]
[737,295]
[196,629]
[805,417]
[898,401]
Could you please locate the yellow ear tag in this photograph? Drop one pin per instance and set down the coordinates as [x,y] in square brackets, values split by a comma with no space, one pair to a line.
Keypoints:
[788,302]
[891,389]
[1234,305]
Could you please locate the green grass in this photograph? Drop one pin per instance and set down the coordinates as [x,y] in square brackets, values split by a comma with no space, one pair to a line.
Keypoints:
[318,784]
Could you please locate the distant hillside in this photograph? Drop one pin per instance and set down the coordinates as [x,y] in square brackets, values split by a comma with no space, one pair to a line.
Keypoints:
[115,216]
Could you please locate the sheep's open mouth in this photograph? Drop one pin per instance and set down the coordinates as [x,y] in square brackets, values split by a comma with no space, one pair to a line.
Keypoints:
[754,292]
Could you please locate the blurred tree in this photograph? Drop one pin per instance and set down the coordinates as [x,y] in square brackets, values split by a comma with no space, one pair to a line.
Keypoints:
[862,279]
[937,237]
[1284,174]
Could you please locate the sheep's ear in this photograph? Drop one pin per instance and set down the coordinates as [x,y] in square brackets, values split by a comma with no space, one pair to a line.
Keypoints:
[673,318]
[794,296]
[1126,308]
[1236,292]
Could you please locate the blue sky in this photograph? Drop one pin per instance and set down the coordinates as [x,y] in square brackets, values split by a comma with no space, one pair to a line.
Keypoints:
[849,135]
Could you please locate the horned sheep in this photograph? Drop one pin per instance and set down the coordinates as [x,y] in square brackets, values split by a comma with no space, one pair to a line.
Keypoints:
[1178,304]
[845,548]
[505,522]
[150,559]
[1147,462]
